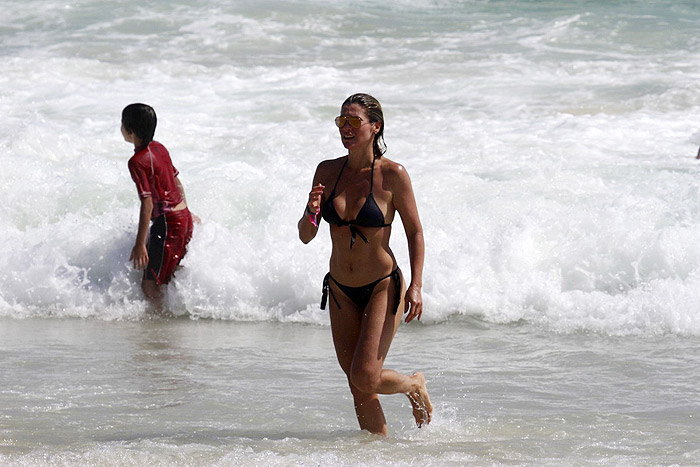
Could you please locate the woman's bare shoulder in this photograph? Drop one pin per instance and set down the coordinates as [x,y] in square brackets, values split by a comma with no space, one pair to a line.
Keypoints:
[394,172]
[330,164]
[327,168]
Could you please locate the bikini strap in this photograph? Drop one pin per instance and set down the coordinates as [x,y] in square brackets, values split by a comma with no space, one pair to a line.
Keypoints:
[338,179]
[324,294]
[396,276]
[371,178]
[354,232]
[326,289]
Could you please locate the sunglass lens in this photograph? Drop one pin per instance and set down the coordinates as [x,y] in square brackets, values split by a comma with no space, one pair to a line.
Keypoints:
[355,122]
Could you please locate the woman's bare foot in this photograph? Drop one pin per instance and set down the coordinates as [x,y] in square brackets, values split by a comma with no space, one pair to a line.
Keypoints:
[422,408]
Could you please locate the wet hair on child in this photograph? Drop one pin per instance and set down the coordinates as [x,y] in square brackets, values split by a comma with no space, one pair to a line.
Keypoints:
[140,119]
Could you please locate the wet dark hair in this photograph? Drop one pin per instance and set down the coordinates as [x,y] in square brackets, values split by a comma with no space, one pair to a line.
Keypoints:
[375,114]
[140,119]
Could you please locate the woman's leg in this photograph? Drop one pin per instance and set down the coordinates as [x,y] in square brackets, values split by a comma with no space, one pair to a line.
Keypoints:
[362,341]
[379,325]
[345,325]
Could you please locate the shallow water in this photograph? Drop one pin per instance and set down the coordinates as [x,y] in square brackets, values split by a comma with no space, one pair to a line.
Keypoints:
[183,392]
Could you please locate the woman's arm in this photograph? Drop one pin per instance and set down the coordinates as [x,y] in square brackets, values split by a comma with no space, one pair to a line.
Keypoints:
[308,224]
[405,204]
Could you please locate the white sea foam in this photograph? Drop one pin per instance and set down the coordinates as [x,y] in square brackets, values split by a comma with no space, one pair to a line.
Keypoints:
[551,152]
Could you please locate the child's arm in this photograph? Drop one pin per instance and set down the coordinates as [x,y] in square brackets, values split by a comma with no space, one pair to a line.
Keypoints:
[139,254]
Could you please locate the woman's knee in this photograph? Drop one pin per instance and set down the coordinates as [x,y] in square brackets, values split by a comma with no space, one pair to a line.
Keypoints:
[364,379]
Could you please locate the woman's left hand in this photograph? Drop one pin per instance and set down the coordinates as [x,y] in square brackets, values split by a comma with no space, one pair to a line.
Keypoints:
[413,303]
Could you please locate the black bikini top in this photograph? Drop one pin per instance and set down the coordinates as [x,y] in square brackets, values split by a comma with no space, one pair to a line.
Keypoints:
[369,216]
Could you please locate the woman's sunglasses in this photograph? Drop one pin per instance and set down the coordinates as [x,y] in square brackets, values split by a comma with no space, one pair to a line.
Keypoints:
[355,122]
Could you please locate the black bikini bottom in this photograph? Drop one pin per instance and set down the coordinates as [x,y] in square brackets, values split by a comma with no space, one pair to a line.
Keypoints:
[360,295]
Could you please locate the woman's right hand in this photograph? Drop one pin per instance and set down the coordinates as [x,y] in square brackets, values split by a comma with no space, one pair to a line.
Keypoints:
[315,196]
[308,224]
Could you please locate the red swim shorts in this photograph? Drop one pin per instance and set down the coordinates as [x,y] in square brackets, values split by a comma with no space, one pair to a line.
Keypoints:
[167,245]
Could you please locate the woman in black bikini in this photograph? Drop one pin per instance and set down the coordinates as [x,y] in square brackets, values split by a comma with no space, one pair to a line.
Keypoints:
[358,195]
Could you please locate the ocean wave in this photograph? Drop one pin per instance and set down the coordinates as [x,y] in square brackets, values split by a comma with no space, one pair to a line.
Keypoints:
[551,152]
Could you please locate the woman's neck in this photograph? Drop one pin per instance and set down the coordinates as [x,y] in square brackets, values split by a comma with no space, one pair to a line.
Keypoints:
[360,159]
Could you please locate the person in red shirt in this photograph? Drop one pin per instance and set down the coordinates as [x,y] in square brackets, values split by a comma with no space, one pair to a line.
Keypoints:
[163,204]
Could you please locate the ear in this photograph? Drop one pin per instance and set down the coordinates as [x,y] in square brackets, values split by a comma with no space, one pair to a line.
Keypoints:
[377,127]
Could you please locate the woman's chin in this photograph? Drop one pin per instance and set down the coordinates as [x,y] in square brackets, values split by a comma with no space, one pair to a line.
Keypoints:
[350,143]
